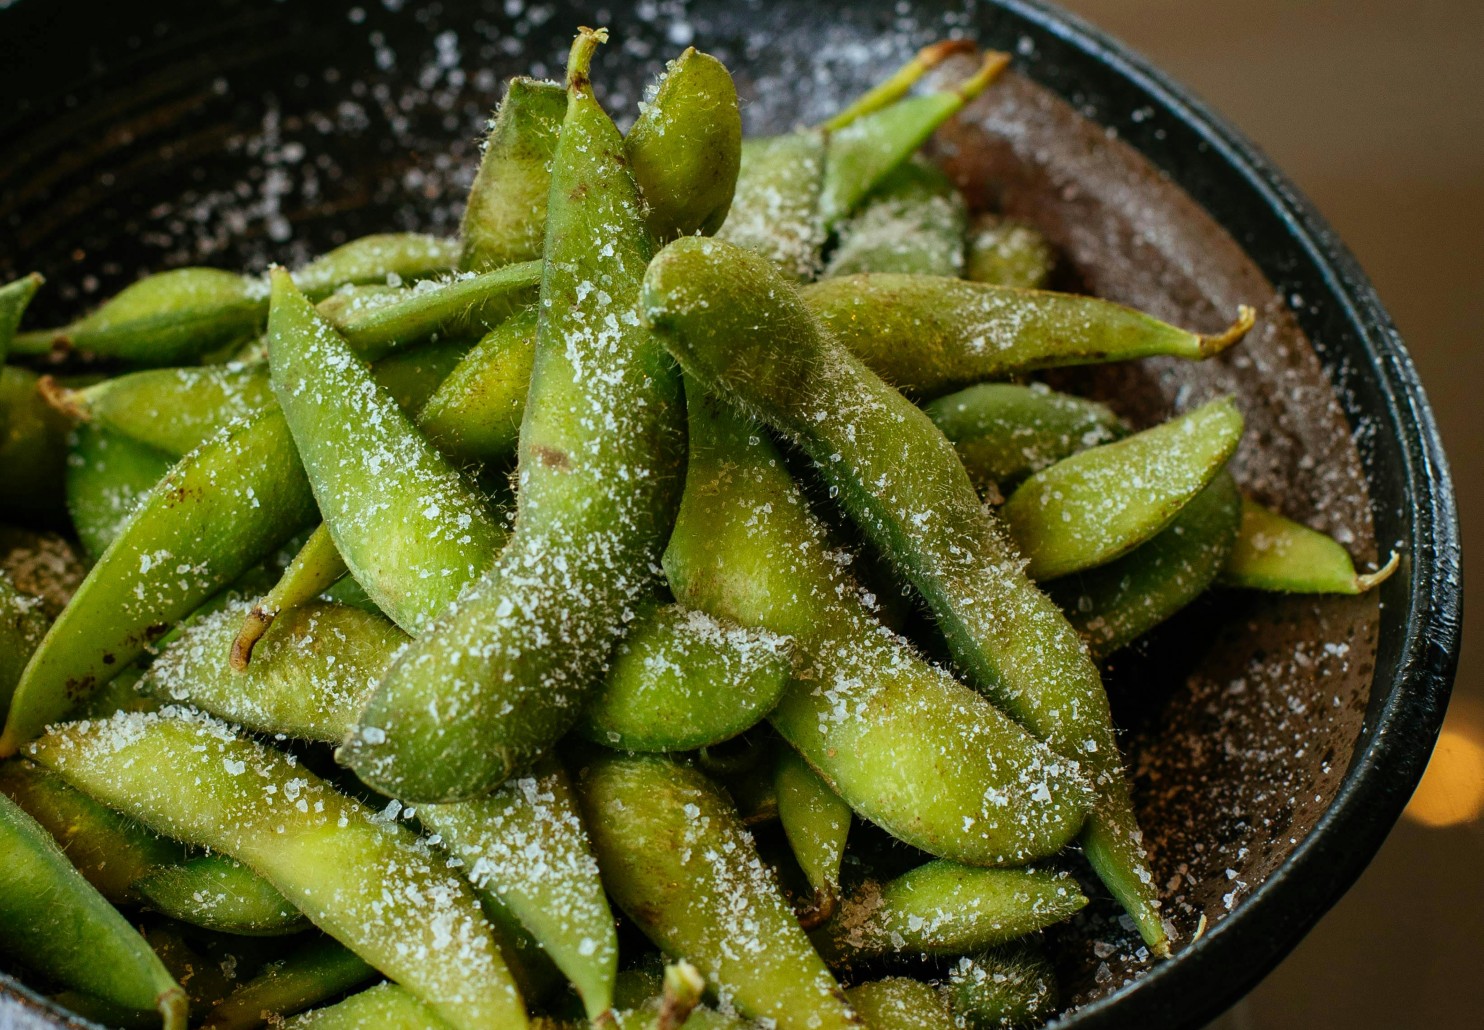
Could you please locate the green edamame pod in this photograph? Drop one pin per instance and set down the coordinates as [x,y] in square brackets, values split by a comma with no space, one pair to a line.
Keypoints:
[14,299]
[682,680]
[1114,605]
[309,677]
[164,319]
[914,221]
[1101,503]
[686,146]
[505,218]
[817,824]
[219,893]
[475,415]
[1004,989]
[466,306]
[22,625]
[897,85]
[505,672]
[1003,252]
[411,530]
[383,1007]
[393,257]
[110,850]
[175,409]
[189,537]
[929,334]
[33,450]
[676,858]
[942,908]
[863,152]
[1275,553]
[907,747]
[525,844]
[313,973]
[775,208]
[57,924]
[365,881]
[904,486]
[108,475]
[1003,432]
[901,1003]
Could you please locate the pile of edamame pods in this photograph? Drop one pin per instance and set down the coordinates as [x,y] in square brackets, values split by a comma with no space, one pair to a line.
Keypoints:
[668,604]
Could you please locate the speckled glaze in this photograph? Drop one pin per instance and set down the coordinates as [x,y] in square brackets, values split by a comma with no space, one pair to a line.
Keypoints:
[1273,741]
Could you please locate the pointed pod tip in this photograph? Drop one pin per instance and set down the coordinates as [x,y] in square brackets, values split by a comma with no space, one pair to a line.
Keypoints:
[935,54]
[67,402]
[253,627]
[1370,580]
[1246,319]
[995,62]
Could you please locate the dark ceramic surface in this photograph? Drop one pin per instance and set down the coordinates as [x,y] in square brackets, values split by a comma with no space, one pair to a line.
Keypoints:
[1273,741]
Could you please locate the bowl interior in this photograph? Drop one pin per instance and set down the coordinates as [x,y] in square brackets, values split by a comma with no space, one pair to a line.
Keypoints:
[250,133]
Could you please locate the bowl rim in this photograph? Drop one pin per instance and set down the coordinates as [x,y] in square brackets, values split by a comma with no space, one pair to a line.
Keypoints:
[1399,732]
[1401,725]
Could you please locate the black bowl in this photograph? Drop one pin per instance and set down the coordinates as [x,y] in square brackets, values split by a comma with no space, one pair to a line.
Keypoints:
[1274,741]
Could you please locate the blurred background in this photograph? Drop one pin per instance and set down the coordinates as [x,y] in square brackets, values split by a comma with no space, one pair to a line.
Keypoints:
[1375,108]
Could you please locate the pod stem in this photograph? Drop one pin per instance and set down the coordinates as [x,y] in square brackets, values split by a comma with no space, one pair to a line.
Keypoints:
[1381,575]
[71,403]
[40,343]
[1246,319]
[995,61]
[684,986]
[174,1009]
[580,59]
[253,627]
[896,86]
[821,908]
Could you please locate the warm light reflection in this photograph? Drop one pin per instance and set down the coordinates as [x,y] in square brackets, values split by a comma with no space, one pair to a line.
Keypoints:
[1452,790]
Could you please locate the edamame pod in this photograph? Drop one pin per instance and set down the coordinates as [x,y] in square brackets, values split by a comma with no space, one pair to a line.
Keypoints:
[901,1003]
[1004,989]
[313,973]
[392,257]
[1101,503]
[33,450]
[164,319]
[57,924]
[864,151]
[1275,553]
[505,217]
[525,844]
[173,410]
[907,747]
[22,625]
[219,893]
[189,537]
[675,857]
[817,824]
[914,221]
[682,680]
[383,1007]
[904,486]
[505,672]
[775,208]
[1003,432]
[110,850]
[1114,605]
[108,475]
[466,305]
[309,677]
[475,414]
[686,146]
[942,908]
[1003,252]
[368,882]
[929,334]
[14,299]
[411,530]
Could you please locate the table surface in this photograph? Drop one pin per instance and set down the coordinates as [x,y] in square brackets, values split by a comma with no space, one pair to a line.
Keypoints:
[1375,108]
